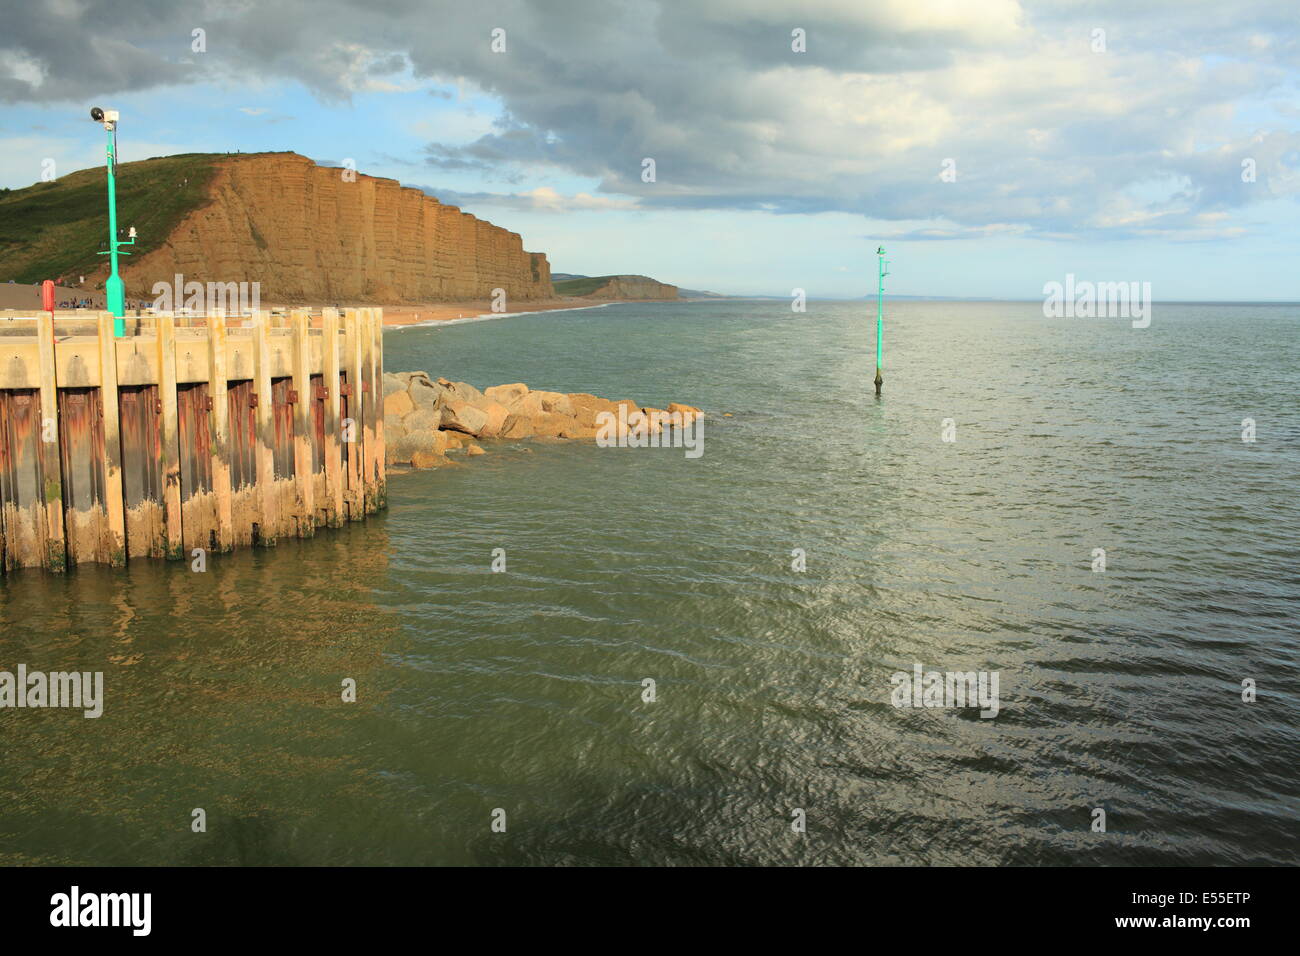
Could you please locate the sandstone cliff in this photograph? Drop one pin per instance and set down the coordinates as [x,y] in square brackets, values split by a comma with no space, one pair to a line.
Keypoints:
[308,235]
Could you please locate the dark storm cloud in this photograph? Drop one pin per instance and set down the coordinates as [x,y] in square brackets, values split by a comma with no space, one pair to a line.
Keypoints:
[1045,134]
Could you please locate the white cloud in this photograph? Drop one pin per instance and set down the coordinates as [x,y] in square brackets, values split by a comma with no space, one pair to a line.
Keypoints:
[546,198]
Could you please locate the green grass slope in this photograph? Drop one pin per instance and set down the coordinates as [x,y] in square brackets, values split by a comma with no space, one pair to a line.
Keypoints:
[55,229]
[585,285]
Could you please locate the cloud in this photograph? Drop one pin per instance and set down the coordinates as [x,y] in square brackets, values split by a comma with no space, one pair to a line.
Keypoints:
[1047,137]
[264,114]
[949,231]
[541,199]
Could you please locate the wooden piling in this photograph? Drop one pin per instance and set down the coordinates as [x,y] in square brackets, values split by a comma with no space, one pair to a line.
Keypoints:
[115,532]
[353,433]
[217,392]
[334,477]
[369,391]
[381,447]
[22,503]
[305,497]
[268,527]
[54,551]
[171,458]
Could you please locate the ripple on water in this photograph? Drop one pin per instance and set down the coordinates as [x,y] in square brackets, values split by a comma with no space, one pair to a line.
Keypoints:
[524,690]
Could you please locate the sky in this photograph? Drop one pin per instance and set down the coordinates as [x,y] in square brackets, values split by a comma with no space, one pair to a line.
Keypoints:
[992,146]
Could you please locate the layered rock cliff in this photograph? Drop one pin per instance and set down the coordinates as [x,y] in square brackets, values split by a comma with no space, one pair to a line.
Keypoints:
[310,235]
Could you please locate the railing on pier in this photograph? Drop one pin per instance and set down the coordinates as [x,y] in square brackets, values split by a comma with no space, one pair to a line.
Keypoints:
[187,432]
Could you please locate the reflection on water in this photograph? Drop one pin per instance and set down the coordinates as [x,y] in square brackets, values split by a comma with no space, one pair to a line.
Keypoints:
[222,691]
[522,691]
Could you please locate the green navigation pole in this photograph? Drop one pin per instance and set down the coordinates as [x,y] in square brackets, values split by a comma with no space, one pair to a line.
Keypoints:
[880,313]
[114,288]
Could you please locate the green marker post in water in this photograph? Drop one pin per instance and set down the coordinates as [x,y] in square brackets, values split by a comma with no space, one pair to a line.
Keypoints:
[880,314]
[114,288]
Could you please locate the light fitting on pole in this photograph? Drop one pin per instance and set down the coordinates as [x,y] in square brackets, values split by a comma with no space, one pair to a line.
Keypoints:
[107,117]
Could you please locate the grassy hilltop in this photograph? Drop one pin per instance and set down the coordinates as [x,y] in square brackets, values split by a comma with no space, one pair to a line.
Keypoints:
[616,287]
[56,228]
[583,285]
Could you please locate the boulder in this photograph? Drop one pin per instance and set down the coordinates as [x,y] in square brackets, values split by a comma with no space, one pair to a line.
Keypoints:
[587,407]
[506,394]
[422,460]
[557,403]
[534,403]
[688,412]
[397,403]
[496,418]
[637,422]
[517,426]
[461,416]
[576,430]
[402,446]
[527,405]
[441,442]
[474,450]
[421,420]
[631,420]
[394,435]
[551,425]
[655,419]
[461,392]
[393,383]
[426,394]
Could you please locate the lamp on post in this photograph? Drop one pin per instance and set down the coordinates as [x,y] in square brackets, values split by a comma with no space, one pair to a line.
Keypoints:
[114,288]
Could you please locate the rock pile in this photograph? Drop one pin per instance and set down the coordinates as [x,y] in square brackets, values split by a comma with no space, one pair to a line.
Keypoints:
[426,418]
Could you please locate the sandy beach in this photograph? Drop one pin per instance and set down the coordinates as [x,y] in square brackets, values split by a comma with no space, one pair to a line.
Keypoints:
[450,311]
[25,295]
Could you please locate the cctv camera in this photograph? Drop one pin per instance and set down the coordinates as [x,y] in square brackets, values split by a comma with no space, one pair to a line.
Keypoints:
[107,117]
